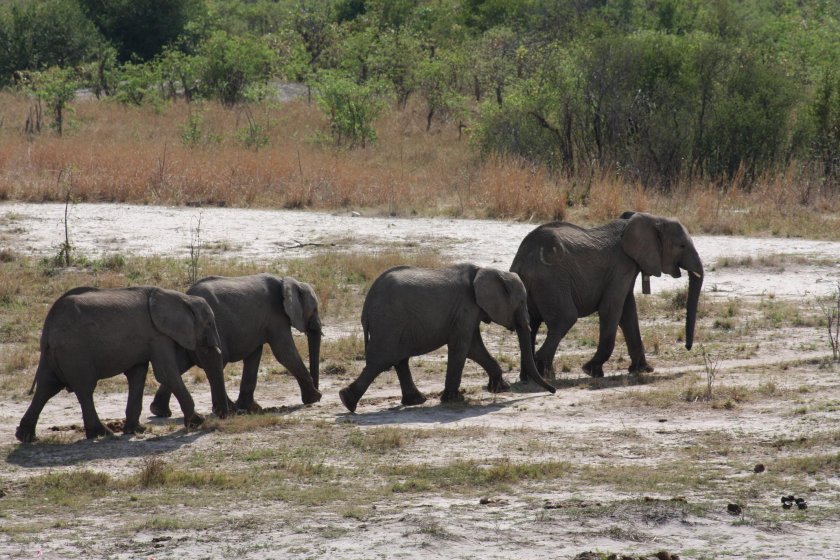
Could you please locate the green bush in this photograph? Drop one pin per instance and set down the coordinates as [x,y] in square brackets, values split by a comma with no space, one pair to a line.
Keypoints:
[351,108]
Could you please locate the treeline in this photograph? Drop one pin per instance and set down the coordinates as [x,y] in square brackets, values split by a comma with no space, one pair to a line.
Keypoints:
[658,91]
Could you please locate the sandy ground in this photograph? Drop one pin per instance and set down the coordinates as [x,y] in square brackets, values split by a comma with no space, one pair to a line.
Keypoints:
[597,425]
[264,235]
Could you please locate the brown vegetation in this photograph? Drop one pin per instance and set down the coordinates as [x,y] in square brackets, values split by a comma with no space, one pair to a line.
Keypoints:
[193,154]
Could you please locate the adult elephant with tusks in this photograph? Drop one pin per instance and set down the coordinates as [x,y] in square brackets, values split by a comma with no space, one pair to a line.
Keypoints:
[572,272]
[411,311]
[252,311]
[91,334]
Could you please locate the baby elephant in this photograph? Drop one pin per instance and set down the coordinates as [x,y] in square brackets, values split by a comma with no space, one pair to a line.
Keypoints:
[91,334]
[252,311]
[412,311]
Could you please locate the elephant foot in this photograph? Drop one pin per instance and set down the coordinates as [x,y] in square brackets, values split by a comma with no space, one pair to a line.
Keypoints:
[413,399]
[247,407]
[25,434]
[160,410]
[452,396]
[98,431]
[194,420]
[500,385]
[311,397]
[230,409]
[642,367]
[136,428]
[348,399]
[593,369]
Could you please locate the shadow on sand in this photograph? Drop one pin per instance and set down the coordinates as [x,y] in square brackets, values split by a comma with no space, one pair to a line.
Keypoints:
[598,383]
[48,453]
[439,413]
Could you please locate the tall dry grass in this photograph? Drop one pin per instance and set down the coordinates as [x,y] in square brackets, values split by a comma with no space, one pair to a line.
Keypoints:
[131,154]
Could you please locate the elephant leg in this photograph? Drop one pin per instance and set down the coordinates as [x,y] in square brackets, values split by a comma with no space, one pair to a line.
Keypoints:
[351,394]
[479,354]
[534,325]
[629,324]
[411,395]
[608,325]
[160,403]
[47,387]
[544,357]
[250,368]
[136,376]
[284,350]
[93,426]
[458,351]
[166,372]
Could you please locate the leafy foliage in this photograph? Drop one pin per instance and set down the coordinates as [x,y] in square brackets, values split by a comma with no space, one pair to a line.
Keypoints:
[660,92]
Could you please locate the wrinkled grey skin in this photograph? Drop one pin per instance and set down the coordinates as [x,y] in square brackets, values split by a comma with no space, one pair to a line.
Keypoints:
[412,311]
[252,311]
[572,272]
[91,334]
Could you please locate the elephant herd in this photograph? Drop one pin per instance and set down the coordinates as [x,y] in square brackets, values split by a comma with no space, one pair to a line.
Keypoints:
[560,272]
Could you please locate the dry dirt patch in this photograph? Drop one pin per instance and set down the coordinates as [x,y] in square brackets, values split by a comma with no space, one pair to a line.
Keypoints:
[623,464]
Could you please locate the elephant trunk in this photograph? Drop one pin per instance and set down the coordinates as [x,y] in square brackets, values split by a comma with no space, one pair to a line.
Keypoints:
[695,282]
[526,349]
[210,360]
[313,337]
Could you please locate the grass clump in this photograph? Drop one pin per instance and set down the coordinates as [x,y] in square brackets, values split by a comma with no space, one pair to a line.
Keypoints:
[155,472]
[467,475]
[378,440]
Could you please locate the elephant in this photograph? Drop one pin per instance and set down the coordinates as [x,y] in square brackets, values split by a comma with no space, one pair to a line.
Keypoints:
[91,334]
[411,311]
[572,272]
[251,311]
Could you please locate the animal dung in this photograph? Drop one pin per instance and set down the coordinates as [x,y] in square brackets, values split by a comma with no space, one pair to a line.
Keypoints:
[734,509]
[759,468]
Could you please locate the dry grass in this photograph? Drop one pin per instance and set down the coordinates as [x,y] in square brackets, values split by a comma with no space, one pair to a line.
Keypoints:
[130,154]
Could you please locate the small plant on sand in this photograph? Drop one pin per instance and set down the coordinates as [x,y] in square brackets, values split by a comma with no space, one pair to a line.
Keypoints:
[195,251]
[830,307]
[711,366]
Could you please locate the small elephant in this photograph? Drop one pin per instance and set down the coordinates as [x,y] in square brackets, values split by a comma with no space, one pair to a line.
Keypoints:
[251,311]
[412,311]
[91,334]
[572,272]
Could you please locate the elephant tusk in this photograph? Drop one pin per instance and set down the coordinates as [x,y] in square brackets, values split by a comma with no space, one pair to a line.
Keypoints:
[697,274]
[217,349]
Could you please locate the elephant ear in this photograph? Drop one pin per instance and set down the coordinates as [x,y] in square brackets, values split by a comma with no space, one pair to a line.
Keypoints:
[172,315]
[641,242]
[299,302]
[494,293]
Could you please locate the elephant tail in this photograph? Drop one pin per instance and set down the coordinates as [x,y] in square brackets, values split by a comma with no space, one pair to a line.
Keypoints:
[366,335]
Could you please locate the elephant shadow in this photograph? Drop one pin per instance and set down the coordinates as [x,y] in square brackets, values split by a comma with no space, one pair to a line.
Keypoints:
[606,382]
[440,413]
[51,454]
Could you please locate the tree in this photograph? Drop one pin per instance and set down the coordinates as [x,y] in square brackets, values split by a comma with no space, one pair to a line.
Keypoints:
[229,64]
[351,108]
[139,29]
[38,35]
[56,87]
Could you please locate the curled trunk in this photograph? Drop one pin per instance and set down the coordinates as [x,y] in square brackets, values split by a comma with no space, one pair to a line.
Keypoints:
[527,356]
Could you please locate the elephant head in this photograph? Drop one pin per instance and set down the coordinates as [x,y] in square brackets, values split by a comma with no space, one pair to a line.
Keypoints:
[189,321]
[660,245]
[502,297]
[301,305]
